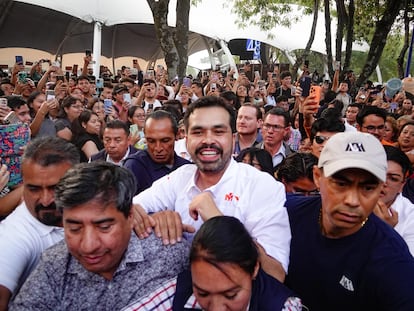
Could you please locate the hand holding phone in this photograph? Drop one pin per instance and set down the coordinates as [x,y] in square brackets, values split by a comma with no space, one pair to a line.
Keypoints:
[316,91]
[107,106]
[187,82]
[305,84]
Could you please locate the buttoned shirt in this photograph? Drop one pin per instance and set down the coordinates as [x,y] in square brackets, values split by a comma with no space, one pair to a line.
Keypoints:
[244,192]
[60,282]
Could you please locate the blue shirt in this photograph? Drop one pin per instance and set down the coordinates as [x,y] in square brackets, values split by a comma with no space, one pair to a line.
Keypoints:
[146,171]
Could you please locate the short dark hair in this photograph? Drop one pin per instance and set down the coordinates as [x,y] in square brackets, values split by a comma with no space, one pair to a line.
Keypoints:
[118,124]
[48,150]
[328,124]
[224,239]
[295,166]
[15,102]
[285,74]
[105,182]
[82,77]
[281,98]
[368,110]
[396,155]
[163,114]
[277,111]
[207,102]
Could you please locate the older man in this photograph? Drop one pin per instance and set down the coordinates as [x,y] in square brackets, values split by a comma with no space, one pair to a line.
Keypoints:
[342,256]
[101,265]
[159,159]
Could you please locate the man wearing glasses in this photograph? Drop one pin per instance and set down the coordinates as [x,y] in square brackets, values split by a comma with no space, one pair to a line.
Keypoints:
[371,119]
[276,127]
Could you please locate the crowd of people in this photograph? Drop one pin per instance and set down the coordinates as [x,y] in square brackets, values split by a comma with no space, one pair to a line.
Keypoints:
[213,192]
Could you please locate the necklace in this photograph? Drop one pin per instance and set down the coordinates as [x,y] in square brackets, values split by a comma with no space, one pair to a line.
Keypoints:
[322,229]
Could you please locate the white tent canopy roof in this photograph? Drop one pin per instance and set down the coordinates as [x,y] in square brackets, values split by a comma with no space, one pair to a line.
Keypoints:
[210,18]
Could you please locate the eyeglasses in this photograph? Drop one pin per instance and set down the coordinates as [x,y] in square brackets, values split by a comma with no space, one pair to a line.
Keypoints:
[320,139]
[371,128]
[275,127]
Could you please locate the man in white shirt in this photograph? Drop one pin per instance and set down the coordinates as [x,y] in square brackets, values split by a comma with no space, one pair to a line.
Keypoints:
[393,207]
[35,224]
[216,184]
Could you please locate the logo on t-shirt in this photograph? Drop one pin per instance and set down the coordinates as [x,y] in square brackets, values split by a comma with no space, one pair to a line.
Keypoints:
[346,283]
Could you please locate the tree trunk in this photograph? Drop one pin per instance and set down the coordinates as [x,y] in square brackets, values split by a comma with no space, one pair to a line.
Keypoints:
[305,53]
[382,28]
[349,34]
[400,59]
[328,40]
[181,36]
[342,23]
[173,41]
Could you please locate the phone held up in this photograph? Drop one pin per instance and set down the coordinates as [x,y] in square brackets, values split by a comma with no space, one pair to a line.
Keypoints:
[305,84]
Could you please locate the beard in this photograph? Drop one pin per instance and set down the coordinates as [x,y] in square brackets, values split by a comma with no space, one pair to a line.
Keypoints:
[48,215]
[213,166]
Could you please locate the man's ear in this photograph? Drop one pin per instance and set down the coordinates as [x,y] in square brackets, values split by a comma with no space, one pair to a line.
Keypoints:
[316,175]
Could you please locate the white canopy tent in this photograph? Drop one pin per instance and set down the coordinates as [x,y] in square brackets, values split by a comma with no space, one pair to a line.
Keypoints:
[211,19]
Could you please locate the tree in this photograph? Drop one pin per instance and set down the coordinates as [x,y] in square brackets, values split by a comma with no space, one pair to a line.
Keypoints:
[379,39]
[173,41]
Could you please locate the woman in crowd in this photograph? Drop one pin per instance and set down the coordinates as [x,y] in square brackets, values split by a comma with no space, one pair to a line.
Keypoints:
[406,140]
[390,130]
[86,130]
[136,122]
[259,158]
[70,109]
[42,124]
[225,273]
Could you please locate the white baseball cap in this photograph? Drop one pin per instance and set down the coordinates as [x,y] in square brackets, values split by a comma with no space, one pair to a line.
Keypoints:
[353,150]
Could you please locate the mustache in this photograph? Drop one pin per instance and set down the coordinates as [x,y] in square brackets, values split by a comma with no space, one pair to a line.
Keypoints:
[209,146]
[48,215]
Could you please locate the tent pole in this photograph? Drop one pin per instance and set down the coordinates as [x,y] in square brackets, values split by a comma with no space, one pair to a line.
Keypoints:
[97,41]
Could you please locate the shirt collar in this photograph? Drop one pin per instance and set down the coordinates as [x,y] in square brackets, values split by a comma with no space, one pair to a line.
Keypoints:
[108,158]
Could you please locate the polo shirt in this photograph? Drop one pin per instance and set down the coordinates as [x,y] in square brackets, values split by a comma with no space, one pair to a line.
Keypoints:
[146,171]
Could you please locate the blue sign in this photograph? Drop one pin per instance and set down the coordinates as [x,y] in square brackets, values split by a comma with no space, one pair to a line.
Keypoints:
[254,46]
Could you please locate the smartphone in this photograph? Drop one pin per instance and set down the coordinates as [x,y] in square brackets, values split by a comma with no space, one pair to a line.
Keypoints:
[135,61]
[19,59]
[50,94]
[11,118]
[75,69]
[60,78]
[150,74]
[133,129]
[107,105]
[305,84]
[213,87]
[307,63]
[316,90]
[56,63]
[22,76]
[187,82]
[257,74]
[88,52]
[127,97]
[337,65]
[241,71]
[99,83]
[29,63]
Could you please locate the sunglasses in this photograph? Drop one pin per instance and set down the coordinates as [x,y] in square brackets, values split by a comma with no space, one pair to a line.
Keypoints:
[320,139]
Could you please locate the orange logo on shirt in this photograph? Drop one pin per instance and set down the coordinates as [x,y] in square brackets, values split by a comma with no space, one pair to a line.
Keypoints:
[229,197]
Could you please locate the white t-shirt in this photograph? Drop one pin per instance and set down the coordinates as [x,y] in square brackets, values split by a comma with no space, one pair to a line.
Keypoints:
[252,196]
[22,240]
[405,225]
